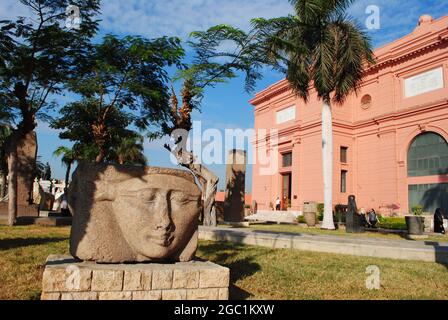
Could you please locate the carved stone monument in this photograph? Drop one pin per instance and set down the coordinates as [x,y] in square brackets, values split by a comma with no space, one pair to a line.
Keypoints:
[133,214]
[26,151]
[235,186]
[127,216]
[354,221]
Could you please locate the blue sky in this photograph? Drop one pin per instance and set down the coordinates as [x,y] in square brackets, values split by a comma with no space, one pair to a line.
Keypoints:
[225,106]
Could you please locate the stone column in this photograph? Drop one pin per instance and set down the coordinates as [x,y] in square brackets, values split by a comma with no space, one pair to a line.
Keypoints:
[235,186]
[26,157]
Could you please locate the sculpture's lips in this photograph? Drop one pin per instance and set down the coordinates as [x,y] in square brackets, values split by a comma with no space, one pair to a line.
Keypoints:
[162,239]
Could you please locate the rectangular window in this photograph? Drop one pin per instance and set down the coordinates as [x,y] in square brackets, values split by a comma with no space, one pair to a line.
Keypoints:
[344,155]
[344,181]
[287,160]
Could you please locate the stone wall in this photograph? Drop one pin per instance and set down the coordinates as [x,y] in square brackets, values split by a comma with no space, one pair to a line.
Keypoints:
[22,210]
[66,279]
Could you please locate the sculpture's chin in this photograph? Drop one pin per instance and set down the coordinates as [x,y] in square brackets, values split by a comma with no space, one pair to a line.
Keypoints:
[155,251]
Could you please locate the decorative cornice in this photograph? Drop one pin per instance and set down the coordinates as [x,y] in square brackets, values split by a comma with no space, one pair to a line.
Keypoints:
[270,92]
[402,51]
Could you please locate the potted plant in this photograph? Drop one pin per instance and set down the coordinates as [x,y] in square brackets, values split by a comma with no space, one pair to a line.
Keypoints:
[340,214]
[416,223]
[320,212]
[309,213]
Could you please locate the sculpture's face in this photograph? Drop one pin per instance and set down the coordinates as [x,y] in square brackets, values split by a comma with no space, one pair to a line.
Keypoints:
[157,213]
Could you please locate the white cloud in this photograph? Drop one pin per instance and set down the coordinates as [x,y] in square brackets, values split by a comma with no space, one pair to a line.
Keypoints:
[178,18]
[10,9]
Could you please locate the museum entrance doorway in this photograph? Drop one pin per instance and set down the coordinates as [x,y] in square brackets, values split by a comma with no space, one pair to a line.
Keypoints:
[286,190]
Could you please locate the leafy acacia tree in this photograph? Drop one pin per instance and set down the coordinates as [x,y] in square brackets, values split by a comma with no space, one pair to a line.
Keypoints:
[37,58]
[123,83]
[211,66]
[319,46]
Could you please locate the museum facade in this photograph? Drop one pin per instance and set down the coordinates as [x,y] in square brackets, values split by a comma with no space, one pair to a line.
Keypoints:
[390,139]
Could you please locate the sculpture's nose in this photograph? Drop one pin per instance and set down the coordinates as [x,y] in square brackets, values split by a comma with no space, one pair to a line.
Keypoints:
[163,215]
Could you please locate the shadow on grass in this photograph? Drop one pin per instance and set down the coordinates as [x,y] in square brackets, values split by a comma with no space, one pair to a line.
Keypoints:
[226,254]
[6,244]
[441,253]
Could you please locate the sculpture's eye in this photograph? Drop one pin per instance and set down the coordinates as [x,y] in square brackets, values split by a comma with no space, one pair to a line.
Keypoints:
[181,198]
[149,198]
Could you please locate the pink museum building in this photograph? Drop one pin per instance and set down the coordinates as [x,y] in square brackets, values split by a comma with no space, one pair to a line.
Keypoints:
[390,140]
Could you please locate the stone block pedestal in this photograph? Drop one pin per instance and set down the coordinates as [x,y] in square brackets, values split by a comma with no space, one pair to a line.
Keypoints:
[67,279]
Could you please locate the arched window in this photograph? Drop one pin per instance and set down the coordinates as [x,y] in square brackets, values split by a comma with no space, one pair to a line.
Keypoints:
[428,155]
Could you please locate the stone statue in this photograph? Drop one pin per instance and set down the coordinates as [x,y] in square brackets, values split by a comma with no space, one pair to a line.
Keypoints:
[133,214]
[354,221]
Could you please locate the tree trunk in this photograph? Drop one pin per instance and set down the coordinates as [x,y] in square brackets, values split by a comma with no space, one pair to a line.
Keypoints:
[100,157]
[327,157]
[209,183]
[12,186]
[21,155]
[3,184]
[209,192]
[67,175]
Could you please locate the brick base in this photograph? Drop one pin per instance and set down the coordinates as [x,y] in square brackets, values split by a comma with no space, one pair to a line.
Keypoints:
[67,279]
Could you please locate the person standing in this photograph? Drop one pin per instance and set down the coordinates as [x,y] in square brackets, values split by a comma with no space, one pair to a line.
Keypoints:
[278,204]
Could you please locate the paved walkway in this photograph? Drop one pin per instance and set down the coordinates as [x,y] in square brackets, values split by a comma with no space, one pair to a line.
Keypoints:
[429,251]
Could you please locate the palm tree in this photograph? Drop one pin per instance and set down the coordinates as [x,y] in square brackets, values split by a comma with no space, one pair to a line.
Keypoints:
[130,151]
[319,46]
[68,157]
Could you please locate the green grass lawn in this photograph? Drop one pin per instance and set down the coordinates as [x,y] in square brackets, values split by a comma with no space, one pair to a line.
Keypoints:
[23,251]
[256,273]
[288,228]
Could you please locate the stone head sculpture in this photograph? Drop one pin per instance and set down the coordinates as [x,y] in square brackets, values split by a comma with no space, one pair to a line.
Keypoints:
[133,214]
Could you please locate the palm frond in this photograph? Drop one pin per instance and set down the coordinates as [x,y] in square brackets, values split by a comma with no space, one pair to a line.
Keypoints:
[319,46]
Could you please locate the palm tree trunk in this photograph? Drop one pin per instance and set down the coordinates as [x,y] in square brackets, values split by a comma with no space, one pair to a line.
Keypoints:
[67,174]
[102,154]
[12,187]
[327,155]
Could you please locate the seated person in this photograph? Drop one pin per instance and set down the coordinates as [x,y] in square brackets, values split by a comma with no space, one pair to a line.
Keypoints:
[438,222]
[372,219]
